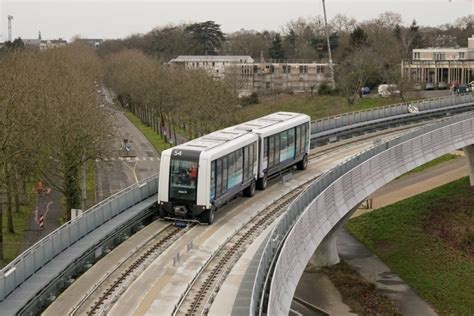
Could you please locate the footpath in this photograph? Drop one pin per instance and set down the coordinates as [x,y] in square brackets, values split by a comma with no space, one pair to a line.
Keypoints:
[317,288]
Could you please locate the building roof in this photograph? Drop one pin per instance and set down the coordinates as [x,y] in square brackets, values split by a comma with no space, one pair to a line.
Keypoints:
[215,58]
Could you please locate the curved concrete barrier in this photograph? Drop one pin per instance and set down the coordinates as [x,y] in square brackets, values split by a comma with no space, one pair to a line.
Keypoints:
[339,197]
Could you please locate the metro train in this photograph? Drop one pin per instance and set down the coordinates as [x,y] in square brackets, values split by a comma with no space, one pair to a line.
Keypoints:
[200,176]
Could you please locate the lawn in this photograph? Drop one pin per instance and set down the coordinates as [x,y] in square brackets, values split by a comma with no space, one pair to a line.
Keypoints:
[315,106]
[13,244]
[155,139]
[429,241]
[90,185]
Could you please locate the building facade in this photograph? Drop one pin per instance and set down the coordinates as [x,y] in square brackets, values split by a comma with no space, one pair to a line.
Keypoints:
[248,76]
[435,65]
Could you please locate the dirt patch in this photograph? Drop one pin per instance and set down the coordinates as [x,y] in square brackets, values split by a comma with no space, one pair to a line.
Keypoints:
[451,219]
[361,295]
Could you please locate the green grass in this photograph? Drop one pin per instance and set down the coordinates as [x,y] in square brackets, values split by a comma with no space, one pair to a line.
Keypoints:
[433,163]
[155,139]
[315,106]
[90,185]
[429,241]
[13,244]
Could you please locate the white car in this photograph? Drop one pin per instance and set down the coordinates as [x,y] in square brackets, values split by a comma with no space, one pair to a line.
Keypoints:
[387,90]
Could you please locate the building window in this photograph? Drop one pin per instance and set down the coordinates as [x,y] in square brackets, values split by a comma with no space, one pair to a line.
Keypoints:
[286,69]
[439,56]
[303,69]
[272,69]
[213,64]
[320,69]
[461,55]
[416,55]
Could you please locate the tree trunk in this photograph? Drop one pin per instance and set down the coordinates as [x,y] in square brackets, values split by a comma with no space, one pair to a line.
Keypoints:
[16,194]
[1,230]
[72,191]
[10,227]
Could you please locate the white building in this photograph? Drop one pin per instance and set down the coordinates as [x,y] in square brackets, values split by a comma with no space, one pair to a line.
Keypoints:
[214,65]
[441,64]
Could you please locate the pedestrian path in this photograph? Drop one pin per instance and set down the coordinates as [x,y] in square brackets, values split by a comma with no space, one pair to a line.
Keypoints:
[128,159]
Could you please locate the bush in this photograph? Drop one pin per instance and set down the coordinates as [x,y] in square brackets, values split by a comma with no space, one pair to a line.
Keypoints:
[325,89]
[251,99]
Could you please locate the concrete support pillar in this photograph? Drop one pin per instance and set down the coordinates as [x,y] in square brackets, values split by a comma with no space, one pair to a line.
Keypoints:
[326,254]
[469,153]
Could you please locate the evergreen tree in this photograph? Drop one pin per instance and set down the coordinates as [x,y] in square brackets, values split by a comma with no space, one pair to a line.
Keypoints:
[276,50]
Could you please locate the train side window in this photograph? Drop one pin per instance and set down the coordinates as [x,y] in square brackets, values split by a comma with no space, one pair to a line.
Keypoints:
[246,162]
[255,158]
[251,161]
[303,134]
[231,169]
[238,166]
[277,150]
[298,140]
[271,151]
[213,180]
[291,143]
[225,177]
[219,177]
[265,149]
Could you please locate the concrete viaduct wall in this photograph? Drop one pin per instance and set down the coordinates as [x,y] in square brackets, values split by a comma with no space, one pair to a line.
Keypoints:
[339,198]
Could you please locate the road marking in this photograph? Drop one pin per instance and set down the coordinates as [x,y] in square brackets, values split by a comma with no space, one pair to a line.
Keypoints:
[128,159]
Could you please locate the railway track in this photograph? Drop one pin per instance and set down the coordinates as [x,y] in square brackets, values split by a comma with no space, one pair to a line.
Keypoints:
[205,286]
[203,289]
[113,284]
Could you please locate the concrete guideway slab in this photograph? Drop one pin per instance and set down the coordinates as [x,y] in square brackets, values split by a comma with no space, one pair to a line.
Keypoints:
[32,286]
[76,292]
[160,287]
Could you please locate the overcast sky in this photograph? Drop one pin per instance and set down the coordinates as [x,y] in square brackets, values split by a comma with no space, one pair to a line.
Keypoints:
[116,19]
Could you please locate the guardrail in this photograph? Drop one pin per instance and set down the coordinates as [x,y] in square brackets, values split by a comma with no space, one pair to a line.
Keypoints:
[277,238]
[352,118]
[35,257]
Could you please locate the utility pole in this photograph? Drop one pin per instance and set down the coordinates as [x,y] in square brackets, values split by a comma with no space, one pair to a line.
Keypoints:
[10,18]
[331,68]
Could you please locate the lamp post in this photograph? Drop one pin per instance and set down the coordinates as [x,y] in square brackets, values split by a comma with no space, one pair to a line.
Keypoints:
[331,69]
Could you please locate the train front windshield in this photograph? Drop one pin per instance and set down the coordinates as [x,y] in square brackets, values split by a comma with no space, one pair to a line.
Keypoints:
[183,180]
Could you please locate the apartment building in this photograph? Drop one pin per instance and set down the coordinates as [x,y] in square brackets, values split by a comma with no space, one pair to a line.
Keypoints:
[446,65]
[248,76]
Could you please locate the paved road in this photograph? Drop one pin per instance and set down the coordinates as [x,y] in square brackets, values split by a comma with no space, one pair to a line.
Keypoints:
[120,170]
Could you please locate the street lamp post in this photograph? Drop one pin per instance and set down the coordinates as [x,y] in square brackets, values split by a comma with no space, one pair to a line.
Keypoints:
[331,68]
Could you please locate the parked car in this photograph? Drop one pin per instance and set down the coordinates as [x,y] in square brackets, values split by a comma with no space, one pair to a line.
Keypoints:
[464,88]
[365,90]
[429,86]
[387,90]
[442,85]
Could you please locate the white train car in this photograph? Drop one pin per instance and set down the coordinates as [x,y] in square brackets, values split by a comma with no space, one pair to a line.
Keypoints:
[198,177]
[284,140]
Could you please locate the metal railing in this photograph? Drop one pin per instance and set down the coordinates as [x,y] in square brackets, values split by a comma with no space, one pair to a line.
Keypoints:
[351,118]
[35,257]
[278,235]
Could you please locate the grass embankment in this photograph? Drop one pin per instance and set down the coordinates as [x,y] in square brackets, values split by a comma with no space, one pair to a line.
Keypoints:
[13,244]
[362,296]
[315,106]
[90,185]
[429,241]
[155,139]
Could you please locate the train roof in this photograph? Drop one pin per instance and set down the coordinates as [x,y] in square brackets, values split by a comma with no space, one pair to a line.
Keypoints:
[272,120]
[227,138]
[215,139]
